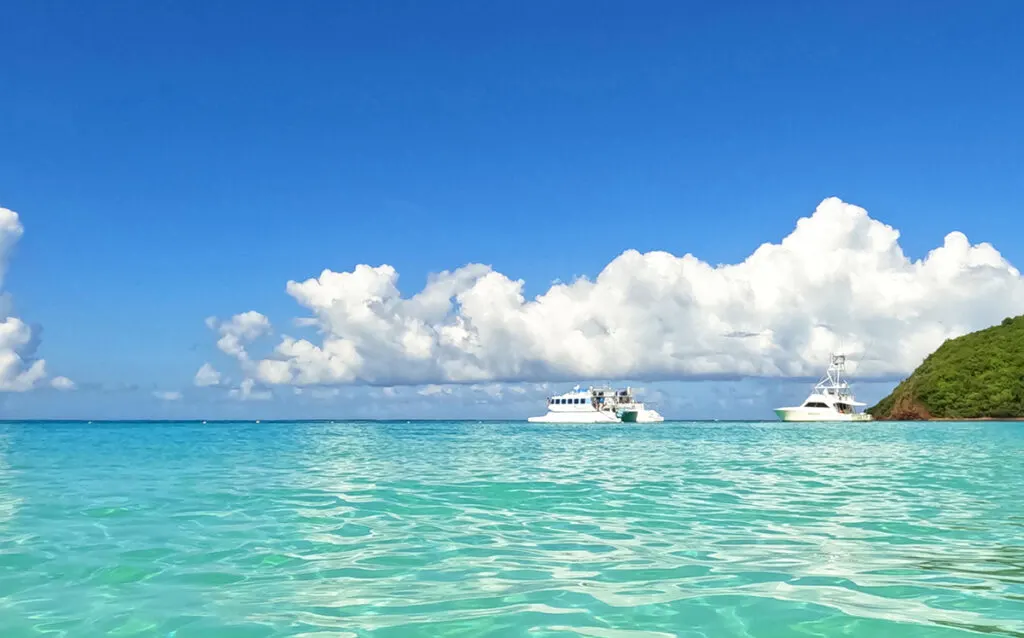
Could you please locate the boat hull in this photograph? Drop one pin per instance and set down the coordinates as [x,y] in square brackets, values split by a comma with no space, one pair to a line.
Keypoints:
[626,416]
[575,417]
[808,415]
[641,416]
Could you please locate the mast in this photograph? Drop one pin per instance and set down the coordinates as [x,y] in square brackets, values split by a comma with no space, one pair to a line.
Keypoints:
[834,383]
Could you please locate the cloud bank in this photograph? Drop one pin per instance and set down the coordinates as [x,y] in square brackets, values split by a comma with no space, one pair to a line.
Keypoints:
[20,370]
[839,280]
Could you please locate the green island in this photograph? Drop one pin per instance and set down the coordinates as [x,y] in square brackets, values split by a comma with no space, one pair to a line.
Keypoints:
[977,376]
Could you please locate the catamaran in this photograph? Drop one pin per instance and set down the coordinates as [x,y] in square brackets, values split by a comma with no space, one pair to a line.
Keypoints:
[597,405]
[831,399]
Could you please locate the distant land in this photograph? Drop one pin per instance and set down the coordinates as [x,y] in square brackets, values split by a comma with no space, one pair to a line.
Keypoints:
[977,376]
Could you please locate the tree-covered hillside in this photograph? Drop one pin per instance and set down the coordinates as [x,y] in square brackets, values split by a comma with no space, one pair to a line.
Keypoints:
[978,375]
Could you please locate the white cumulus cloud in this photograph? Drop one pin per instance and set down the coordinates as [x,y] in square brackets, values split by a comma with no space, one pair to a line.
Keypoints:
[63,383]
[238,331]
[20,370]
[247,391]
[167,396]
[839,279]
[207,375]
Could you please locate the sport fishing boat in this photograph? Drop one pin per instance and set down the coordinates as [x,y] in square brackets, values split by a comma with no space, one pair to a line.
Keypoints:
[597,405]
[831,399]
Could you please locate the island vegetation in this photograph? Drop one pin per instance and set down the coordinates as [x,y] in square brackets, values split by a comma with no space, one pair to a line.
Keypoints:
[977,376]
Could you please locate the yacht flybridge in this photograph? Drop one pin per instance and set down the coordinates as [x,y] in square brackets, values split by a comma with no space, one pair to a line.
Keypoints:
[831,399]
[597,405]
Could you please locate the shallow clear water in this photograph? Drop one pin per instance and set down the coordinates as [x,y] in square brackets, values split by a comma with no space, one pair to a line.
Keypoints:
[464,529]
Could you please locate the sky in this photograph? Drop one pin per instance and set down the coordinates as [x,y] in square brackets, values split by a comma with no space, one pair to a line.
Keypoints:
[452,209]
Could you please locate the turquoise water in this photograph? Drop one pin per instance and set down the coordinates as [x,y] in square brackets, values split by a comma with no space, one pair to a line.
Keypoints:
[464,529]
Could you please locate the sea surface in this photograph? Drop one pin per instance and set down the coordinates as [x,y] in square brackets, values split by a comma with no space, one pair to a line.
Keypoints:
[410,529]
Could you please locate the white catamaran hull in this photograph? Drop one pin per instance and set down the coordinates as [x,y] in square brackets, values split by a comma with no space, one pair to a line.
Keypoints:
[641,416]
[818,415]
[626,416]
[575,417]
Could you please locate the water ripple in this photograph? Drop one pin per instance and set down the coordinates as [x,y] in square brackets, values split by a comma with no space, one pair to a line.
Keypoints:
[458,529]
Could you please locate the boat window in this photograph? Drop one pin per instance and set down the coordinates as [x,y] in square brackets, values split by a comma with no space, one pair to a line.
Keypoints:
[815,404]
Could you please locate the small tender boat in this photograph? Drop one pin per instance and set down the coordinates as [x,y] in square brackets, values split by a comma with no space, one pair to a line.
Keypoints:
[597,405]
[831,399]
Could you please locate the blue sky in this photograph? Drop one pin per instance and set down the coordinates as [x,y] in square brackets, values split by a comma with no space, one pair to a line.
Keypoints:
[175,161]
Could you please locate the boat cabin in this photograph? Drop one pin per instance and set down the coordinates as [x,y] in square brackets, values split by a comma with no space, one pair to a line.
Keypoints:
[839,406]
[603,398]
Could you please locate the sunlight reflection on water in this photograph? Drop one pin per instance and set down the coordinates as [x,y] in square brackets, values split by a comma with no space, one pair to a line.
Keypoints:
[466,529]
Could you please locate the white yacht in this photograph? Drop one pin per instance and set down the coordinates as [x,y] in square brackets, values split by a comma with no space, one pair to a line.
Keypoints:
[597,405]
[831,399]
